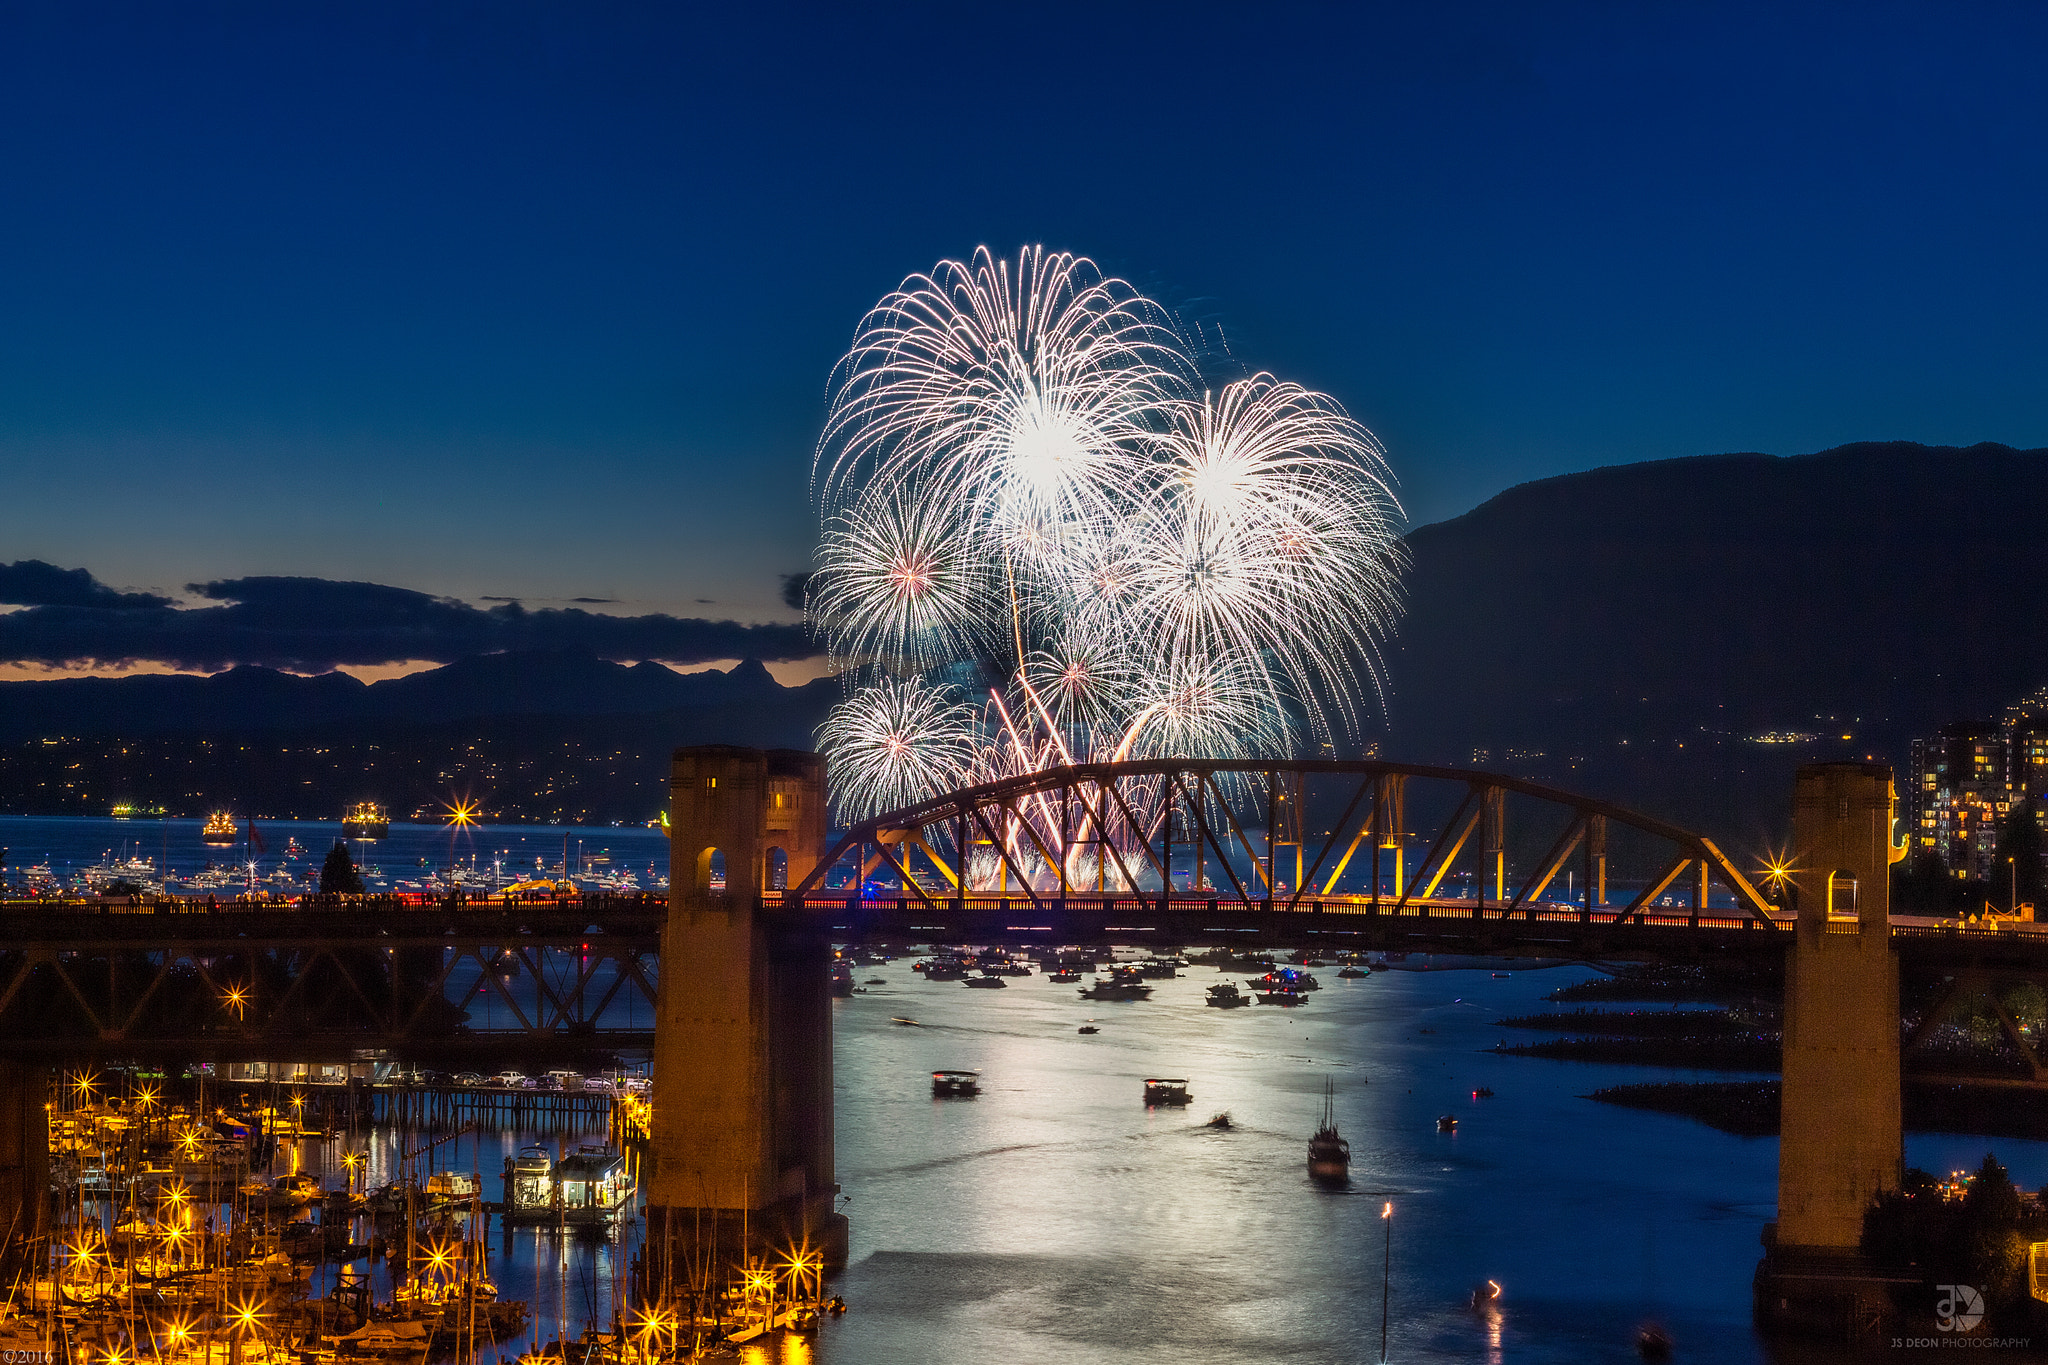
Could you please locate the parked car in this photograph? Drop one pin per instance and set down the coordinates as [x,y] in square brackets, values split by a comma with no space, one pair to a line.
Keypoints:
[469,1078]
[597,1085]
[509,1080]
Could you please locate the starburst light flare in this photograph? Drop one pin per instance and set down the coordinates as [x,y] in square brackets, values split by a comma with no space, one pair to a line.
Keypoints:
[1027,494]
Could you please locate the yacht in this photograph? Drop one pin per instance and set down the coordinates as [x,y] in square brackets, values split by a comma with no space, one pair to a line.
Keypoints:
[366,820]
[950,1085]
[219,830]
[1166,1090]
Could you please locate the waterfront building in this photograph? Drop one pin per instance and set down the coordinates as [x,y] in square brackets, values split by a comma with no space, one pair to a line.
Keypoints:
[1961,794]
[2026,750]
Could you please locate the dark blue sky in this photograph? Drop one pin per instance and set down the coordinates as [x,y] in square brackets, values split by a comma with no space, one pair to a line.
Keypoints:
[541,301]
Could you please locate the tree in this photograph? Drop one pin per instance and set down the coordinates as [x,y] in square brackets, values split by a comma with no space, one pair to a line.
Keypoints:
[2019,845]
[1921,885]
[338,875]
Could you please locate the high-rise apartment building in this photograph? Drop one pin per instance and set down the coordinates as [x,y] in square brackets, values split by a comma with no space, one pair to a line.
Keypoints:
[1962,794]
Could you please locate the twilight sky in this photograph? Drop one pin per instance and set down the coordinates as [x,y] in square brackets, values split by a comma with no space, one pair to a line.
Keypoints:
[539,301]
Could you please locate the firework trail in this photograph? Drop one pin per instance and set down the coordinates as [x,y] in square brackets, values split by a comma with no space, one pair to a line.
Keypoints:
[1045,543]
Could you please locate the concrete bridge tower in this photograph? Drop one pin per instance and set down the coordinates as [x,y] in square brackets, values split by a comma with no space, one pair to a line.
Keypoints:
[741,1152]
[1841,1129]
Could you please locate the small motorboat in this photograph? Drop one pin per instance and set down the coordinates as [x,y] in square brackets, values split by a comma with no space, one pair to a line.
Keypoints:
[1284,995]
[1653,1342]
[955,1085]
[1352,973]
[1088,1028]
[1063,974]
[1166,1090]
[1219,1121]
[1483,1093]
[985,983]
[907,1023]
[1502,976]
[878,981]
[1227,996]
[1448,1123]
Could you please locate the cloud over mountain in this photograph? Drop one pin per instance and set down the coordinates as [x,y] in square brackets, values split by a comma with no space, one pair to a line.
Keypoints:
[310,625]
[33,583]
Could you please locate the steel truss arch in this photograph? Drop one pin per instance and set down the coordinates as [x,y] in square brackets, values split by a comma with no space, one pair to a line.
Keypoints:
[1128,814]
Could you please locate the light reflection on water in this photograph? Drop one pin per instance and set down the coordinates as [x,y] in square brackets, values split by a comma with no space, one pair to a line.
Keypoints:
[1056,1218]
[568,1279]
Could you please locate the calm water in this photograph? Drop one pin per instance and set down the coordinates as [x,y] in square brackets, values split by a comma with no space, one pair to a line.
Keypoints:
[68,843]
[1055,1218]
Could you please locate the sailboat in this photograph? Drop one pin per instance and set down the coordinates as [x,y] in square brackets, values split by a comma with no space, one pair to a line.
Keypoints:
[1329,1155]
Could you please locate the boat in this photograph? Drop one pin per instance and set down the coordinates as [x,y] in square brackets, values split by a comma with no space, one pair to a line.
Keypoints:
[219,830]
[1281,995]
[400,1339]
[1483,1093]
[1227,996]
[451,1187]
[1502,976]
[1220,1121]
[1448,1123]
[842,979]
[1352,973]
[590,1187]
[1064,974]
[1122,983]
[366,820]
[955,1085]
[907,1023]
[1329,1155]
[1166,1090]
[128,810]
[1087,1028]
[1290,978]
[986,983]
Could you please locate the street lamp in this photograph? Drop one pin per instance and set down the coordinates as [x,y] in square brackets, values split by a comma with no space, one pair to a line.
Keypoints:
[1386,1277]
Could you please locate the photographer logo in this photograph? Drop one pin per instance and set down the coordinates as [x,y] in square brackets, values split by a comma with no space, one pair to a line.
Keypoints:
[1959,1309]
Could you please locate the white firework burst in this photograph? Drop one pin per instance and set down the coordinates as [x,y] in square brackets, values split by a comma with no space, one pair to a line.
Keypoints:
[896,742]
[1020,482]
[903,585]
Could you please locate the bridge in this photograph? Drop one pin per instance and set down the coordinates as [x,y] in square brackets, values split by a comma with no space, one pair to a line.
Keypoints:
[733,968]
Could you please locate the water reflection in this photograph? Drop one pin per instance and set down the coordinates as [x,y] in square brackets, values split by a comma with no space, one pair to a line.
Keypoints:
[1055,1217]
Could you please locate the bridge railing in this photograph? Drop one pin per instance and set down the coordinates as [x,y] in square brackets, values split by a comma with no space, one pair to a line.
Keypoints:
[1027,913]
[370,904]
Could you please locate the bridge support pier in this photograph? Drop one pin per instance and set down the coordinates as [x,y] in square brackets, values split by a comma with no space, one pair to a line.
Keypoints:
[1841,1128]
[24,1164]
[742,1129]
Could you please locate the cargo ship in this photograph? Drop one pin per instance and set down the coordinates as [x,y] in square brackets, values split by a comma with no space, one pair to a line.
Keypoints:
[366,820]
[219,830]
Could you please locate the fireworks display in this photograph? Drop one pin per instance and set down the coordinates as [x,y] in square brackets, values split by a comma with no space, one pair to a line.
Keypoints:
[1046,540]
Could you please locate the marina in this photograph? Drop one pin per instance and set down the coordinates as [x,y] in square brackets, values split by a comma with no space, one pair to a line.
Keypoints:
[195,1219]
